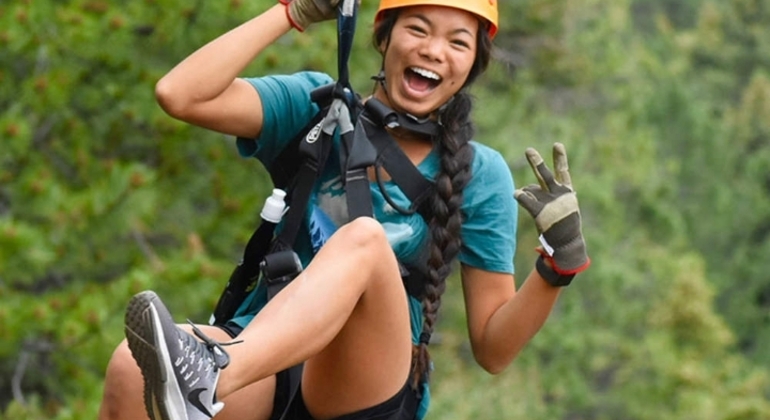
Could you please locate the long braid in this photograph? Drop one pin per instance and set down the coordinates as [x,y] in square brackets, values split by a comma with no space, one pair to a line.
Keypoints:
[456,155]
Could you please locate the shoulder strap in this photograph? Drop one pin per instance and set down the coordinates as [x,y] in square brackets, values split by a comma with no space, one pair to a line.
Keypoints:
[390,156]
[286,166]
[358,155]
[308,160]
[346,24]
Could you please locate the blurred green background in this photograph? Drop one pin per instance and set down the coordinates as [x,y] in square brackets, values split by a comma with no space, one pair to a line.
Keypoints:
[664,106]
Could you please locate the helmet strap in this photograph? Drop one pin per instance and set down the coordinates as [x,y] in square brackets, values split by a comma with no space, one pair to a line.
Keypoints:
[380,78]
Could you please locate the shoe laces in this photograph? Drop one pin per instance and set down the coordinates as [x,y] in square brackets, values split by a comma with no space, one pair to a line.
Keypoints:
[215,353]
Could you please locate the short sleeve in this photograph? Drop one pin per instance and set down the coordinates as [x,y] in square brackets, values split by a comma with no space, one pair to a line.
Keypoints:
[491,214]
[287,109]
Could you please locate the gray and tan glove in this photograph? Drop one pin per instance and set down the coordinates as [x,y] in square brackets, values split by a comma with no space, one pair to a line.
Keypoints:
[553,204]
[303,13]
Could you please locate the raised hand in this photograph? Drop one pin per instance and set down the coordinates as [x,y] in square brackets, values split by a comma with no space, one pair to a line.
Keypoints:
[553,204]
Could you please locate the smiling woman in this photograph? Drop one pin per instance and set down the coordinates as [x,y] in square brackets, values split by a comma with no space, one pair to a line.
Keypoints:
[427,58]
[361,336]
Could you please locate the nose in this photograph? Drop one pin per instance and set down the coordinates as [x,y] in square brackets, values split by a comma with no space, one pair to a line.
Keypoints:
[432,49]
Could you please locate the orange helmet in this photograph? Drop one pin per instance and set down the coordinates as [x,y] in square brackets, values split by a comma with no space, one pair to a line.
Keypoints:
[485,9]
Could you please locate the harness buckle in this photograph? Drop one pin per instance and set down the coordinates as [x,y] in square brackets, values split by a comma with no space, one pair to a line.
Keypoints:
[279,269]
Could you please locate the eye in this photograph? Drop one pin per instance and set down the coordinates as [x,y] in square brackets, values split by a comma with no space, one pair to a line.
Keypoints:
[461,43]
[416,28]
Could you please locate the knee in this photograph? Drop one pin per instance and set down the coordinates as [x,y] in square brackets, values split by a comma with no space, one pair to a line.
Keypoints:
[121,363]
[122,394]
[365,234]
[121,377]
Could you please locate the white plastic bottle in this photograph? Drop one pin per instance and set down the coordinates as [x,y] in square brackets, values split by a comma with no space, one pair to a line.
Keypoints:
[274,206]
[271,215]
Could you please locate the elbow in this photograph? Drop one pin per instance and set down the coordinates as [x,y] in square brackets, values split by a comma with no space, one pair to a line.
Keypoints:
[493,365]
[493,368]
[170,99]
[495,359]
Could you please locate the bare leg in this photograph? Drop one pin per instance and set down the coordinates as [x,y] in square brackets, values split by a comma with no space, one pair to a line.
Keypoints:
[124,387]
[346,315]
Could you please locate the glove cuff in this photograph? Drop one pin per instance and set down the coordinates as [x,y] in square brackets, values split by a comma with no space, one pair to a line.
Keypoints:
[564,263]
[550,275]
[292,20]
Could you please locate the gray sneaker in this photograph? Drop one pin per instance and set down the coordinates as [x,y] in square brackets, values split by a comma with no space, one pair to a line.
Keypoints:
[180,372]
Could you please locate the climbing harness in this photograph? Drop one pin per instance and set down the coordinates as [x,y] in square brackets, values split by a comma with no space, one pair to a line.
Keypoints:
[364,143]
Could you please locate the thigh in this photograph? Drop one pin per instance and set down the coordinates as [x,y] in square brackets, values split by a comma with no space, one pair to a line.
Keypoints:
[369,361]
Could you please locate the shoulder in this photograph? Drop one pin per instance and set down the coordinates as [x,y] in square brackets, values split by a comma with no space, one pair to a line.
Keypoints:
[491,182]
[303,77]
[286,109]
[488,165]
[489,226]
[289,83]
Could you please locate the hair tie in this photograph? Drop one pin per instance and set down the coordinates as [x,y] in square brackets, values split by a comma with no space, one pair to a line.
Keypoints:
[425,338]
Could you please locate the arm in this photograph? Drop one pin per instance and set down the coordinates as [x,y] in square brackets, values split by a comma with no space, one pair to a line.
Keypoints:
[502,320]
[203,89]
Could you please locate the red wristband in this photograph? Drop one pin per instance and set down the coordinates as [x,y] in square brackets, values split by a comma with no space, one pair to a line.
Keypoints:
[288,16]
[564,272]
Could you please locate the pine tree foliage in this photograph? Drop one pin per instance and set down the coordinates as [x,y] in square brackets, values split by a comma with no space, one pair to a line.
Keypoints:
[664,106]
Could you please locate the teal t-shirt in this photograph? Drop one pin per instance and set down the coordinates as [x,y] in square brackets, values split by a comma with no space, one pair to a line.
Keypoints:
[488,231]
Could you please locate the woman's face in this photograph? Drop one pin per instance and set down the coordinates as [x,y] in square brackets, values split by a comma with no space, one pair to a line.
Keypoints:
[428,58]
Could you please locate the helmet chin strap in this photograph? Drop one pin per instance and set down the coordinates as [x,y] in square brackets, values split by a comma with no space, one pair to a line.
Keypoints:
[380,78]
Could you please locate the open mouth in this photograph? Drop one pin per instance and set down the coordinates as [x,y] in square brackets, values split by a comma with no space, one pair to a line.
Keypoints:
[421,80]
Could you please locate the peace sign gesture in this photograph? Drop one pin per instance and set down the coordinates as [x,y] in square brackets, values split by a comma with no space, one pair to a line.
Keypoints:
[553,204]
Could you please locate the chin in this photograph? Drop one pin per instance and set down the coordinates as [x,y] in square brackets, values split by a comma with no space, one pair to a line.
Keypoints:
[418,110]
[400,102]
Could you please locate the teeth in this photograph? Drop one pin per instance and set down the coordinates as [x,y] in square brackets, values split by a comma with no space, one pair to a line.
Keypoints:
[425,73]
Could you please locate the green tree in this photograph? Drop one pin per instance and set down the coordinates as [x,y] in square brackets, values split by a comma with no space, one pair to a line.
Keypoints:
[663,107]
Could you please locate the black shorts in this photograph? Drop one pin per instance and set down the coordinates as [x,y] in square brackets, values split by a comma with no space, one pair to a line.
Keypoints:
[232,329]
[402,406]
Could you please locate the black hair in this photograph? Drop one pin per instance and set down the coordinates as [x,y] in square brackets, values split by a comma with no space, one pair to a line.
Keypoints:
[456,155]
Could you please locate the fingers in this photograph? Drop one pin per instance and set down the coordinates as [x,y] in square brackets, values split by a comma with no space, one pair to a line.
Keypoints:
[528,200]
[543,174]
[561,166]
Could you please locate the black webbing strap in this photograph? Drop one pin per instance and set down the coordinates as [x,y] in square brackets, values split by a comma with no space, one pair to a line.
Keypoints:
[346,29]
[390,156]
[402,172]
[288,381]
[286,387]
[358,156]
[246,274]
[284,168]
[313,153]
[386,117]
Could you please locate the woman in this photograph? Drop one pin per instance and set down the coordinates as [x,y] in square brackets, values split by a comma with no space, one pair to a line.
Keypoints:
[362,339]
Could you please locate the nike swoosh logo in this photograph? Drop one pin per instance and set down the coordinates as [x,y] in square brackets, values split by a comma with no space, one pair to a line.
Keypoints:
[195,399]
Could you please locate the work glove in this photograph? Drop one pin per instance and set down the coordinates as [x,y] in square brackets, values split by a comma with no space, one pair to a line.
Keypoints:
[553,204]
[303,13]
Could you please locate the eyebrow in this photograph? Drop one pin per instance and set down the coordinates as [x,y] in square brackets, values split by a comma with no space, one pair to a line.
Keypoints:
[428,22]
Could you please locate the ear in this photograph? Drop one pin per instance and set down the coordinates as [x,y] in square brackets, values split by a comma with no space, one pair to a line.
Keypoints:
[383,46]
